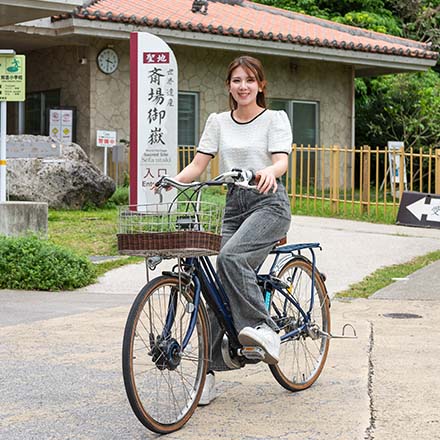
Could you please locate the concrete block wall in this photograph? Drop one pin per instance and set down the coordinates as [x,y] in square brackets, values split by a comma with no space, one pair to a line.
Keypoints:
[19,218]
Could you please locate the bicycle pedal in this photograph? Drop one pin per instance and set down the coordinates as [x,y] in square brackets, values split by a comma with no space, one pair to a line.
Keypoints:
[250,352]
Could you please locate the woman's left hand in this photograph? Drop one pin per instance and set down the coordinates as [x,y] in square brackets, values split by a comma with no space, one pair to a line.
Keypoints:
[266,181]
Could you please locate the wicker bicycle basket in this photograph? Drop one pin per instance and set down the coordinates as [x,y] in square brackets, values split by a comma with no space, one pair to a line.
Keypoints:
[178,229]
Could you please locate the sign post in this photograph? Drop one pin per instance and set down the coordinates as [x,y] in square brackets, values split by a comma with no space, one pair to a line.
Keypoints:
[3,124]
[105,139]
[153,116]
[397,168]
[12,88]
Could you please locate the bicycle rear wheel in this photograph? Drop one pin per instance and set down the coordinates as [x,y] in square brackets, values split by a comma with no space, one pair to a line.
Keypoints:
[302,357]
[164,383]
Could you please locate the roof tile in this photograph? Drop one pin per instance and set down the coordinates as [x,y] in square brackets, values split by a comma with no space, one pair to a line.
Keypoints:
[243,18]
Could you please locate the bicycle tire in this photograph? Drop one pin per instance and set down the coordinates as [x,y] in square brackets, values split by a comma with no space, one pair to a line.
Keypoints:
[301,358]
[164,391]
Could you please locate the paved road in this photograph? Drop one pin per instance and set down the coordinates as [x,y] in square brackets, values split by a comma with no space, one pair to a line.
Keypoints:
[60,356]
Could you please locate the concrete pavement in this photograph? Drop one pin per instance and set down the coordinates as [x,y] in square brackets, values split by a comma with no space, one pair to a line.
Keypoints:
[350,251]
[60,356]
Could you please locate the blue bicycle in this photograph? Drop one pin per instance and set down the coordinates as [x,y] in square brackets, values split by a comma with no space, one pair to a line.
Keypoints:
[166,341]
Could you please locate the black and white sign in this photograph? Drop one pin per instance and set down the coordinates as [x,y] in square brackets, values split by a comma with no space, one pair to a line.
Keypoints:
[153,116]
[419,209]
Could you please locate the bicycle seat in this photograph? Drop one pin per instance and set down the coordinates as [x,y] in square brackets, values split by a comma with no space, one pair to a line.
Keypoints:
[280,242]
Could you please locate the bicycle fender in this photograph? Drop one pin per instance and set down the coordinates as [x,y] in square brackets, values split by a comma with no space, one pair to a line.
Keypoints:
[284,260]
[289,258]
[186,279]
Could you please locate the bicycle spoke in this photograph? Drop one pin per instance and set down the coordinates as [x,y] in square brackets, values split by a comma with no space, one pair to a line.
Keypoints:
[165,381]
[302,357]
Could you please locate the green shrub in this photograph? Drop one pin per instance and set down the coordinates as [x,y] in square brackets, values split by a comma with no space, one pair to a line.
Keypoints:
[29,263]
[89,206]
[119,197]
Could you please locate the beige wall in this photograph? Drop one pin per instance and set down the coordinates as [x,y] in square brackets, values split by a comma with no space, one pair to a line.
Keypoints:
[109,96]
[204,71]
[103,100]
[59,68]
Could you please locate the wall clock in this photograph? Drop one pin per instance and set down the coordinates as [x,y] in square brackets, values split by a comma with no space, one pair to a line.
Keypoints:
[107,60]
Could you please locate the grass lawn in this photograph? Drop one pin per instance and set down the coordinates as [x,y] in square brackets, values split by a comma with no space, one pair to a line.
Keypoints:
[93,232]
[384,276]
[375,213]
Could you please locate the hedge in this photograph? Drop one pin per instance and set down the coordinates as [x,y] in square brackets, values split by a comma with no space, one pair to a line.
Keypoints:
[31,263]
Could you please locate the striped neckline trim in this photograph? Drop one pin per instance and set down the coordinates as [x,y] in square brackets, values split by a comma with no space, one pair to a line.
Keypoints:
[248,122]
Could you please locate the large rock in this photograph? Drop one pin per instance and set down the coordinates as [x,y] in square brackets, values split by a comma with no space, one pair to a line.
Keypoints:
[68,180]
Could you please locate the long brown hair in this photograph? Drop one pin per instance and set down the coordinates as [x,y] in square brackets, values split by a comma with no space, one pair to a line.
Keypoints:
[252,65]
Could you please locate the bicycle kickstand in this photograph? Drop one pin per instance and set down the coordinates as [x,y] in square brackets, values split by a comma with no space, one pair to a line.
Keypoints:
[343,335]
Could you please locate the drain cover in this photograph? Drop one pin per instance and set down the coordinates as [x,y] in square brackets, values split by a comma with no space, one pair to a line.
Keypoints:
[402,315]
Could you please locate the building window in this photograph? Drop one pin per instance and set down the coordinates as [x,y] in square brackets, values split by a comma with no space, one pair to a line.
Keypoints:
[36,110]
[188,127]
[188,117]
[304,117]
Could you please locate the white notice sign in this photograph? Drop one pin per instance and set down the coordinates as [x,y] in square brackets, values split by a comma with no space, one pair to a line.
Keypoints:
[153,116]
[397,169]
[61,125]
[66,125]
[105,138]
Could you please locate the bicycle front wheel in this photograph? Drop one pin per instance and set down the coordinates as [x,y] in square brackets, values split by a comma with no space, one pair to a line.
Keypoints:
[302,357]
[163,381]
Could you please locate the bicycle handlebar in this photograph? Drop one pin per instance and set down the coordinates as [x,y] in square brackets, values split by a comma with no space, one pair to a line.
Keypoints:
[239,177]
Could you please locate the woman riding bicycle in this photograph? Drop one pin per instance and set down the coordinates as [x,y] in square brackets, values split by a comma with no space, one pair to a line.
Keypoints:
[250,137]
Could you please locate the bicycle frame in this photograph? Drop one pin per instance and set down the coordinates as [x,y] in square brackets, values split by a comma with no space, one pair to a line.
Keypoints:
[275,284]
[167,346]
[207,283]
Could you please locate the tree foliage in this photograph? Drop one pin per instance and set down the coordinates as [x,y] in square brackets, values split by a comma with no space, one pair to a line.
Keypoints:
[368,14]
[416,19]
[399,108]
[404,107]
[379,22]
[420,19]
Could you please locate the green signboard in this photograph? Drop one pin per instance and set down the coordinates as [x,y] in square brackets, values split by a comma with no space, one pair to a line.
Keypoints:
[12,78]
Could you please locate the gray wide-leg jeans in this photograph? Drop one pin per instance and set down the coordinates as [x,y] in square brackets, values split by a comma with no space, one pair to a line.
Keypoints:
[252,224]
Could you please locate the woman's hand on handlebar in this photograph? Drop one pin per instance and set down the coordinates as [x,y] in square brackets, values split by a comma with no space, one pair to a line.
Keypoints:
[266,181]
[157,186]
[168,183]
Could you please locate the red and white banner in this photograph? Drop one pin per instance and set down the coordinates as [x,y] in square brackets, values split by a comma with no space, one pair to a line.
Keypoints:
[153,116]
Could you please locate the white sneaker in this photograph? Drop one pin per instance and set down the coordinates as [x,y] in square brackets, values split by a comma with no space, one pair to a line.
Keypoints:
[208,393]
[262,336]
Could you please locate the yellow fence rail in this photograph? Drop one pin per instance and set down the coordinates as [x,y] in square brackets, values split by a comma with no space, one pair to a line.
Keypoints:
[118,167]
[350,182]
[186,154]
[361,181]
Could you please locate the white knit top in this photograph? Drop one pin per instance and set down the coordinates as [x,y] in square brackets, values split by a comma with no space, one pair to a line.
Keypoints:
[247,145]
